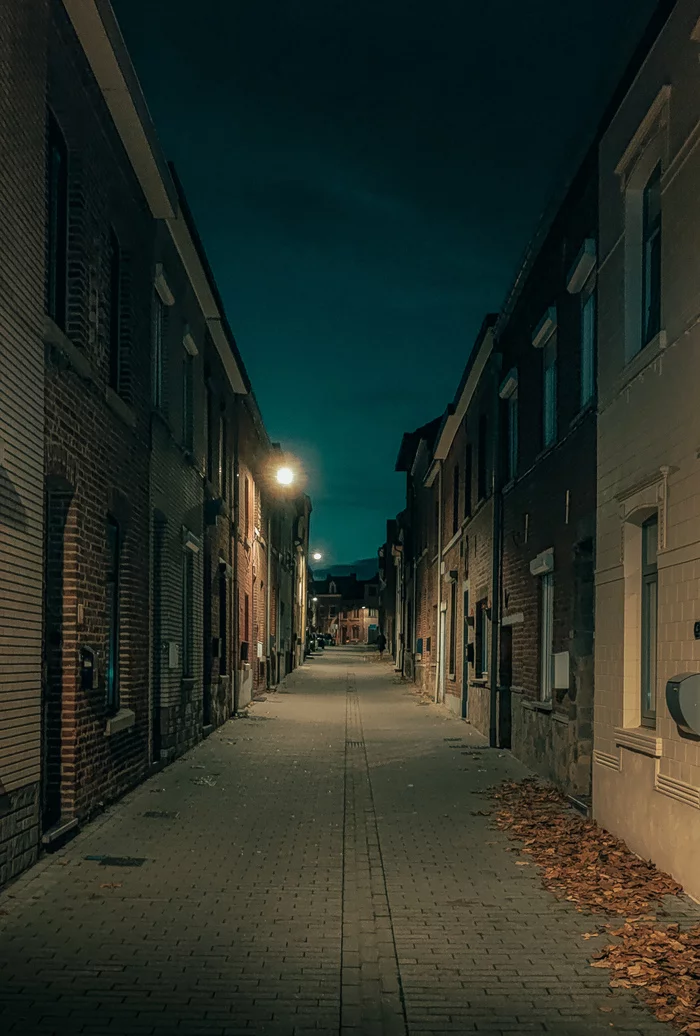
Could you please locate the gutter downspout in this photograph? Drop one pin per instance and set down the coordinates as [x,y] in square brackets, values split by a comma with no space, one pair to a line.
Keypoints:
[236,527]
[440,637]
[496,536]
[267,594]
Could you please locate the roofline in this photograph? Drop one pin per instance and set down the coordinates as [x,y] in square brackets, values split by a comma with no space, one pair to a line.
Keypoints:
[98,32]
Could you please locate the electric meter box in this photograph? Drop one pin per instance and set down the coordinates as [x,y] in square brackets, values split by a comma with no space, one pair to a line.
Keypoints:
[683,701]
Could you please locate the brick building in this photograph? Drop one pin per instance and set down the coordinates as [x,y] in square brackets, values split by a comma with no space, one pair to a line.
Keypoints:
[23,42]
[129,561]
[417,552]
[646,785]
[347,608]
[546,340]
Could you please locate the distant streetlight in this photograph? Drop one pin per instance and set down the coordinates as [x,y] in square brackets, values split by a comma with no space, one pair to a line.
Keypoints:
[316,556]
[314,598]
[285,476]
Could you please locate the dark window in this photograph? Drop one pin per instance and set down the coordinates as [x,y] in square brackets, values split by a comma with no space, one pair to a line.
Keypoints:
[481,659]
[588,343]
[210,435]
[223,623]
[57,229]
[188,613]
[115,301]
[188,402]
[455,500]
[246,508]
[468,481]
[112,589]
[482,474]
[651,257]
[223,459]
[512,441]
[158,350]
[452,664]
[549,391]
[650,599]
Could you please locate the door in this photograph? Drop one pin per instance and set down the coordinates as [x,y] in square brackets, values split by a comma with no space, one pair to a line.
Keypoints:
[441,657]
[465,657]
[57,506]
[158,645]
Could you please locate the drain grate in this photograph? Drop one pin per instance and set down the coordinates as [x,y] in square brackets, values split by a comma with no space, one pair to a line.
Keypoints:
[453,739]
[118,861]
[162,814]
[355,744]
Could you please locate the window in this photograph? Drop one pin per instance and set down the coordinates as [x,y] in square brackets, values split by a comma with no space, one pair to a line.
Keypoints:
[223,459]
[588,345]
[468,480]
[333,611]
[210,435]
[332,589]
[452,658]
[549,391]
[373,613]
[187,590]
[512,440]
[246,618]
[246,509]
[188,402]
[546,635]
[481,652]
[651,257]
[356,613]
[112,594]
[115,299]
[482,475]
[437,525]
[223,621]
[650,597]
[57,228]
[158,350]
[455,500]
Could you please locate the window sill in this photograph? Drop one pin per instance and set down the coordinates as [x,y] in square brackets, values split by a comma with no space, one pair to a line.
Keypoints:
[479,681]
[587,409]
[639,739]
[641,360]
[117,405]
[122,720]
[537,706]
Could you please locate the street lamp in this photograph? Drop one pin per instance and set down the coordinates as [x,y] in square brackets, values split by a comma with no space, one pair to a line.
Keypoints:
[316,556]
[285,476]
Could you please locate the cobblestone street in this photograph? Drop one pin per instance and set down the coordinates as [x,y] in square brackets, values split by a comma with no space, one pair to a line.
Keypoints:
[315,868]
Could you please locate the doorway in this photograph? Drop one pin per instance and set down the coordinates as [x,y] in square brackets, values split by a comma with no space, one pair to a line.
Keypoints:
[441,657]
[505,680]
[465,656]
[58,500]
[159,525]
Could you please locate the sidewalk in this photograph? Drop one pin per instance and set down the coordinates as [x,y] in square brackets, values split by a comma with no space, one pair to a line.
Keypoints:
[315,868]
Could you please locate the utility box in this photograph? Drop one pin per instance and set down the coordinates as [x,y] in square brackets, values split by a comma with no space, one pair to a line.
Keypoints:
[683,701]
[561,671]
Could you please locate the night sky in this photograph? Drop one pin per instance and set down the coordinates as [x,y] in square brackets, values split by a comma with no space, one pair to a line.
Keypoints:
[365,175]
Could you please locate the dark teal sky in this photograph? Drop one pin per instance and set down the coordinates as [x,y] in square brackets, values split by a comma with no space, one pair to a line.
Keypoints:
[365,175]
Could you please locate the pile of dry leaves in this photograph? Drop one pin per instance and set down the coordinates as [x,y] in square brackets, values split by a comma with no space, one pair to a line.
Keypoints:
[587,865]
[662,966]
[580,861]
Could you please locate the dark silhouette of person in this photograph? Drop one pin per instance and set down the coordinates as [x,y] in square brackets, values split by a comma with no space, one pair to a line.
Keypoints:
[381,644]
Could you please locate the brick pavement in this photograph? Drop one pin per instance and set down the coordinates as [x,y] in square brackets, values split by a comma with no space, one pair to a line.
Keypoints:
[316,868]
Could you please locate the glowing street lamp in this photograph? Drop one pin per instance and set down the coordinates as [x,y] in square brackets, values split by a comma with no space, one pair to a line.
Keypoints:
[316,556]
[285,476]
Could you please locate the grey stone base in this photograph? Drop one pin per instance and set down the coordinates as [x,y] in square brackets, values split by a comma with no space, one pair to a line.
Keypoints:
[19,833]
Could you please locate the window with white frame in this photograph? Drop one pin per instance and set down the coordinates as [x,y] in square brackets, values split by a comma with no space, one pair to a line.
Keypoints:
[509,412]
[481,646]
[649,619]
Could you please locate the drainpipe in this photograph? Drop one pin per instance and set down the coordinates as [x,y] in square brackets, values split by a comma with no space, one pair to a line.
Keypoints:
[267,593]
[496,540]
[236,653]
[440,639]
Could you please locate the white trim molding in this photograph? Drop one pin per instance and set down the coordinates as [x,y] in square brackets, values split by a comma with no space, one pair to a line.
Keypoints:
[162,287]
[543,563]
[513,620]
[582,268]
[610,762]
[545,329]
[190,541]
[509,384]
[189,342]
[678,790]
[655,119]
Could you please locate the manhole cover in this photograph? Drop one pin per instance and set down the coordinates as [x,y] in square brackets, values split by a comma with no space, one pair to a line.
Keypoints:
[161,814]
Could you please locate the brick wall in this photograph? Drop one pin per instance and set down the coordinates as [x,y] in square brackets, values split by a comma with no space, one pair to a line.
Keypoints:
[97,443]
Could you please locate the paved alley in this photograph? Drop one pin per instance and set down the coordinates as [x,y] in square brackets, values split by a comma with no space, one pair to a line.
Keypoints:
[319,867]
